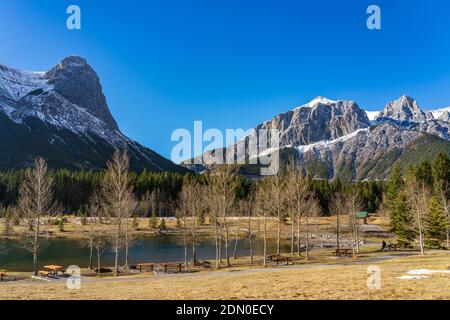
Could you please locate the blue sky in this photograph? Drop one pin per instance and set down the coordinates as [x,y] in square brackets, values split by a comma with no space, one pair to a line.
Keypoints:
[235,63]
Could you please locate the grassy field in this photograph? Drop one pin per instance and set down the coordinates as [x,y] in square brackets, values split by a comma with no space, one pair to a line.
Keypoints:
[337,279]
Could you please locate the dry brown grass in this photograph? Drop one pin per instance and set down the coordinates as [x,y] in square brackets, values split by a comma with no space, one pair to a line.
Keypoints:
[314,282]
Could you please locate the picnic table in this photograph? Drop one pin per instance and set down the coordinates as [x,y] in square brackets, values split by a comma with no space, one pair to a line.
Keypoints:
[279,258]
[343,253]
[52,270]
[3,274]
[145,266]
[393,246]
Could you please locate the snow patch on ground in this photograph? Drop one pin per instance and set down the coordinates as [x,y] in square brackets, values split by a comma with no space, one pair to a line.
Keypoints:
[427,271]
[422,274]
[412,277]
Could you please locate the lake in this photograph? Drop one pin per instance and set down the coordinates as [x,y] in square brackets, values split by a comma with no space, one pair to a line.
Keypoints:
[157,249]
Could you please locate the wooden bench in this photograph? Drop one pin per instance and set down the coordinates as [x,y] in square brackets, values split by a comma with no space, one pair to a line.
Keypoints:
[145,266]
[175,266]
[343,253]
[393,246]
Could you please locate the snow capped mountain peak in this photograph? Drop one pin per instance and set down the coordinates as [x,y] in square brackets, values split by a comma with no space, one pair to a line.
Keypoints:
[442,114]
[322,100]
[62,115]
[404,108]
[316,101]
[67,96]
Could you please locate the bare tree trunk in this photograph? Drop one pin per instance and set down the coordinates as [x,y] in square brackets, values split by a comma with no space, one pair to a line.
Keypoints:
[126,244]
[194,230]
[338,230]
[91,252]
[35,248]
[299,242]
[236,239]
[292,234]
[217,246]
[250,240]
[116,261]
[185,245]
[357,236]
[422,248]
[278,230]
[220,247]
[307,239]
[265,242]
[226,247]
[98,259]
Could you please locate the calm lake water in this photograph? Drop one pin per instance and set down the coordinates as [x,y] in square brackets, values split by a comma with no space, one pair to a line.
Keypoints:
[155,249]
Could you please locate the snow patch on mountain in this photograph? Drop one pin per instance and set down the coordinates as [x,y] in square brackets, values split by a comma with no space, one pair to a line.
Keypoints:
[329,143]
[15,84]
[442,113]
[373,115]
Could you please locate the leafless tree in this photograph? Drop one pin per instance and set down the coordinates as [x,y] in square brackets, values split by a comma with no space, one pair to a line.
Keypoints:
[298,198]
[353,204]
[92,209]
[224,183]
[116,192]
[129,207]
[36,202]
[313,210]
[338,208]
[247,206]
[97,238]
[418,195]
[190,205]
[274,187]
[212,208]
[263,204]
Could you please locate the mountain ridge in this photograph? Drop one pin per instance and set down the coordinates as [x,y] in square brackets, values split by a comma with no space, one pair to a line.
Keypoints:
[345,142]
[66,105]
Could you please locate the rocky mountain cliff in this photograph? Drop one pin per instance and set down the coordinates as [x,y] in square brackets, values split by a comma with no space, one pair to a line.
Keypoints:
[62,115]
[332,139]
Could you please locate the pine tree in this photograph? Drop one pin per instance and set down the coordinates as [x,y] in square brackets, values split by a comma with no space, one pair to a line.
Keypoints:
[402,221]
[436,224]
[393,189]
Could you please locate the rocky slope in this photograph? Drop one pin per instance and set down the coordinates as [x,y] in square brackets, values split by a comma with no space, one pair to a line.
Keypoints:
[62,115]
[337,139]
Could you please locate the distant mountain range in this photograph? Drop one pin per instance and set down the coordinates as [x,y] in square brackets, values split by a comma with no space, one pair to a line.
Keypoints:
[62,115]
[331,139]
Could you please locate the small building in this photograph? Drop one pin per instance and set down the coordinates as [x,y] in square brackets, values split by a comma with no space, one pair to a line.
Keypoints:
[363,215]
